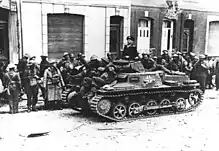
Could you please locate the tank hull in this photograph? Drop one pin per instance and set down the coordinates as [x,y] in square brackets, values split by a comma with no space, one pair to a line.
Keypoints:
[135,104]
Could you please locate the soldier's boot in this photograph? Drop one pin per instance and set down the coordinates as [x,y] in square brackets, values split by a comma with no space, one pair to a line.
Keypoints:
[16,107]
[34,108]
[29,109]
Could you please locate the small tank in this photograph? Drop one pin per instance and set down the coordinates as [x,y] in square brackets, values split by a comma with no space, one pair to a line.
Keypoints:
[141,95]
[146,94]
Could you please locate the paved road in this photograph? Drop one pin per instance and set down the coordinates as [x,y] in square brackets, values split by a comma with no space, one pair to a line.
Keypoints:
[68,131]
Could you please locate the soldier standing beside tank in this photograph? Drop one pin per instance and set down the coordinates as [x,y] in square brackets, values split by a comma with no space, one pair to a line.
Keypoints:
[22,68]
[43,66]
[53,84]
[12,83]
[31,85]
[201,70]
[63,65]
[130,49]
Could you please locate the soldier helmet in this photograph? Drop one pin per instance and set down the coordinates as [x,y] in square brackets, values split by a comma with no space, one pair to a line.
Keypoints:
[201,56]
[93,57]
[175,55]
[43,56]
[26,55]
[192,54]
[65,54]
[165,50]
[11,66]
[154,57]
[179,53]
[80,55]
[130,38]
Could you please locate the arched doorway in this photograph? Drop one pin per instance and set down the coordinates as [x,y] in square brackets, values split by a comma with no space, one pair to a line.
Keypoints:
[144,35]
[188,36]
[116,35]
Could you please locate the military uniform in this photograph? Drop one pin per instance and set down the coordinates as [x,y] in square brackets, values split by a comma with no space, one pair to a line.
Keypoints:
[12,82]
[31,87]
[201,70]
[130,49]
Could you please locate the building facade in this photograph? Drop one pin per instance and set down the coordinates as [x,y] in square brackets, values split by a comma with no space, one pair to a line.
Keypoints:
[52,27]
[195,29]
[9,48]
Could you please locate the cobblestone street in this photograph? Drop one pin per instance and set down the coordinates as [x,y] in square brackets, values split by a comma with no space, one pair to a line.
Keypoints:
[67,131]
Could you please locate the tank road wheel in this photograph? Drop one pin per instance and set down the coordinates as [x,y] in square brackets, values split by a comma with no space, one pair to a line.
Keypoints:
[150,104]
[163,103]
[180,104]
[119,111]
[104,106]
[195,97]
[132,109]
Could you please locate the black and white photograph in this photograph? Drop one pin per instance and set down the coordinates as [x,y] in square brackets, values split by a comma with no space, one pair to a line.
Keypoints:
[109,75]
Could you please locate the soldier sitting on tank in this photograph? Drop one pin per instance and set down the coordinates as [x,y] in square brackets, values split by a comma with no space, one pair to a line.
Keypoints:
[165,56]
[161,65]
[148,62]
[91,84]
[130,49]
[174,64]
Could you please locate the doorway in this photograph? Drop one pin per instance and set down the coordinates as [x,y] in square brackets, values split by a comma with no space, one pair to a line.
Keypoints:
[116,35]
[167,36]
[188,35]
[144,32]
[213,36]
[65,34]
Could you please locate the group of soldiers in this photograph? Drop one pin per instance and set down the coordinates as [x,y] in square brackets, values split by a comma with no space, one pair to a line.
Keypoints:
[97,72]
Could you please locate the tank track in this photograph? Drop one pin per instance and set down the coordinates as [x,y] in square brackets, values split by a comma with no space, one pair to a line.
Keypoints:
[65,95]
[94,102]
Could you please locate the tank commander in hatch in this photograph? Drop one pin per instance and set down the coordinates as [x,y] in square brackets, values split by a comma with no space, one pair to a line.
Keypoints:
[130,49]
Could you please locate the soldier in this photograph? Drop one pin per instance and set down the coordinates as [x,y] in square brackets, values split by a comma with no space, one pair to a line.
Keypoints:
[12,83]
[174,64]
[108,77]
[130,49]
[211,65]
[201,70]
[44,64]
[63,65]
[31,86]
[148,62]
[22,68]
[165,56]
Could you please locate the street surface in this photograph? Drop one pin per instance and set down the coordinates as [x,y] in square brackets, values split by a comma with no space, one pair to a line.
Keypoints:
[66,130]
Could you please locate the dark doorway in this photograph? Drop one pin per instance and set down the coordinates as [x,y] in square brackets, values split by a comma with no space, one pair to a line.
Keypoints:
[116,35]
[65,34]
[4,40]
[188,35]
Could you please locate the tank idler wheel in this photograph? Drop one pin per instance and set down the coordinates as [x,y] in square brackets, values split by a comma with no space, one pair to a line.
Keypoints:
[163,103]
[195,97]
[132,109]
[104,106]
[119,111]
[180,104]
[150,104]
